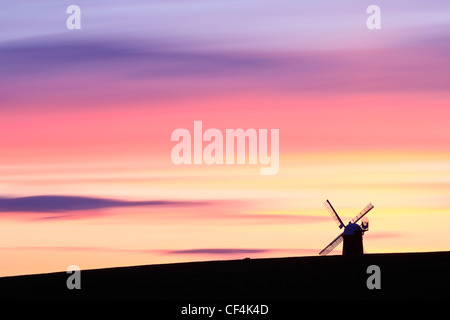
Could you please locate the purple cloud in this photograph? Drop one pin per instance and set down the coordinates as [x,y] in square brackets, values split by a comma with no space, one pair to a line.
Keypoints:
[220,251]
[156,59]
[232,251]
[56,204]
[158,69]
[197,251]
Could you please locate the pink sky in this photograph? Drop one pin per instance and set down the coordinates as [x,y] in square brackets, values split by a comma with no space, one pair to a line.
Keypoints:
[86,121]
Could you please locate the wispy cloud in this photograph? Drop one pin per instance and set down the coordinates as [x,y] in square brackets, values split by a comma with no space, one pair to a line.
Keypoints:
[59,207]
[220,251]
[58,204]
[196,251]
[384,235]
[160,69]
[237,251]
[150,58]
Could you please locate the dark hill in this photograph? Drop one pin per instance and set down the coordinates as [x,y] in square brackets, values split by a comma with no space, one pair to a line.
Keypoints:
[403,276]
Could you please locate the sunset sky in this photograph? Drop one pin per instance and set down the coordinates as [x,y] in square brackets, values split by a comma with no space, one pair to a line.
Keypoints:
[86,117]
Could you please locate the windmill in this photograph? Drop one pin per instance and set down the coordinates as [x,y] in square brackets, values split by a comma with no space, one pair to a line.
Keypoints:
[352,235]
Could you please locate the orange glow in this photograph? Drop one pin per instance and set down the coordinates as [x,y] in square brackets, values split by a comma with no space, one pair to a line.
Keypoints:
[126,155]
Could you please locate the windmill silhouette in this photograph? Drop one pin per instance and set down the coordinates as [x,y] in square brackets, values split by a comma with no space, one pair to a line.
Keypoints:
[352,235]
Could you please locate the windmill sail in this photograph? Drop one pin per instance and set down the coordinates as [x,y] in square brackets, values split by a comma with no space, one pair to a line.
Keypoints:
[334,214]
[332,245]
[362,213]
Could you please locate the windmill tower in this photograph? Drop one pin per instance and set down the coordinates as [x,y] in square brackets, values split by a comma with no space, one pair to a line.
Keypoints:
[352,235]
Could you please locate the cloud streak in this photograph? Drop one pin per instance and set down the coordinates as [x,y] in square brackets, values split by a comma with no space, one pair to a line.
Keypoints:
[152,58]
[57,207]
[58,204]
[236,251]
[160,69]
[219,251]
[196,251]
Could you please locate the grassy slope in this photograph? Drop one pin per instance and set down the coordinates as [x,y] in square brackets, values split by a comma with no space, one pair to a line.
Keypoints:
[405,275]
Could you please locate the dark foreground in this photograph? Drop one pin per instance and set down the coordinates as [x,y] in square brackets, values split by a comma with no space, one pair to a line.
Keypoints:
[402,276]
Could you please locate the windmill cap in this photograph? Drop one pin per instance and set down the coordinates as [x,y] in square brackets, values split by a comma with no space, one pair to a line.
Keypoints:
[351,228]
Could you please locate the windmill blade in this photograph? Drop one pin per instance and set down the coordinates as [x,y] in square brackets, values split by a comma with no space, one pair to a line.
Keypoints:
[332,245]
[334,214]
[362,213]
